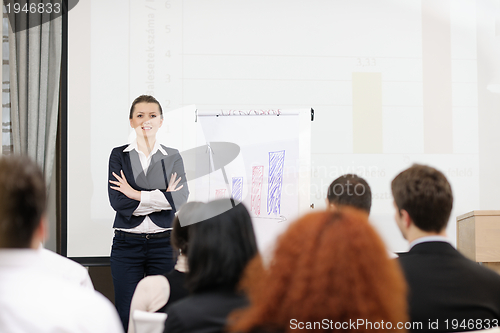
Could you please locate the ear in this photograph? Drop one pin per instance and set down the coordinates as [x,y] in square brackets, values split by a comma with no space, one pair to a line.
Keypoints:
[406,218]
[41,232]
[131,125]
[330,206]
[161,121]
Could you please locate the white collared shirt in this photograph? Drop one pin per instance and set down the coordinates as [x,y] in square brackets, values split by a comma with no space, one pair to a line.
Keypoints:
[151,201]
[429,239]
[65,268]
[35,299]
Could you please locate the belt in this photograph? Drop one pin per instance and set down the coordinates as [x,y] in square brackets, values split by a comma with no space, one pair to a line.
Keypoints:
[162,234]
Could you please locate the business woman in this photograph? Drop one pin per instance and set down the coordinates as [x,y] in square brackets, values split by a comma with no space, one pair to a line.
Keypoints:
[147,186]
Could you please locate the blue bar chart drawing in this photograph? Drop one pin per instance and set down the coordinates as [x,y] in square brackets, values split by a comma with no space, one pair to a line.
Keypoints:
[237,189]
[275,181]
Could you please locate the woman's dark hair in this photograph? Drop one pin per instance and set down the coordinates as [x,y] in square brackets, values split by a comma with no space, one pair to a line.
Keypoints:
[180,236]
[220,247]
[180,233]
[144,99]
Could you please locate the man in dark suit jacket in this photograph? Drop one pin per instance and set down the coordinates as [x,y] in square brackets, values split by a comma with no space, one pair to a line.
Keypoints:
[447,292]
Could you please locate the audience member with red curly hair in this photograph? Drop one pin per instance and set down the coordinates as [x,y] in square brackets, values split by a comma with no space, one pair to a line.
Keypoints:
[330,270]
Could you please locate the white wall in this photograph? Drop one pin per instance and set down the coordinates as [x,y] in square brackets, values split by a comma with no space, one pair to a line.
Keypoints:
[401,63]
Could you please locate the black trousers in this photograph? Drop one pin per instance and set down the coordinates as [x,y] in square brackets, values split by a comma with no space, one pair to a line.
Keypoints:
[131,260]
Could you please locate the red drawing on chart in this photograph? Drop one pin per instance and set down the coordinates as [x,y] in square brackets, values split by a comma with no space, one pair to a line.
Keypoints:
[257,177]
[220,194]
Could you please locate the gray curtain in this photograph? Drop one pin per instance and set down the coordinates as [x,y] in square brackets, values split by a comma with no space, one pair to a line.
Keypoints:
[35,66]
[6,124]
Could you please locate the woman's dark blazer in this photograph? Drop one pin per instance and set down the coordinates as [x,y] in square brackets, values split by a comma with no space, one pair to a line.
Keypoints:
[159,172]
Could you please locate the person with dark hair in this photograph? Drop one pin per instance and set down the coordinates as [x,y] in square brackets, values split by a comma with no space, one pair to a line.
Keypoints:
[349,190]
[33,297]
[147,186]
[221,244]
[444,285]
[155,293]
[340,273]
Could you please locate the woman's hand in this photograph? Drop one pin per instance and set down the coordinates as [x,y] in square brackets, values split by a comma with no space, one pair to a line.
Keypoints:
[172,184]
[123,186]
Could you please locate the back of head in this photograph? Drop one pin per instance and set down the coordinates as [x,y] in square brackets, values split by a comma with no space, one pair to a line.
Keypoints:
[180,230]
[220,247]
[22,201]
[350,190]
[426,195]
[326,265]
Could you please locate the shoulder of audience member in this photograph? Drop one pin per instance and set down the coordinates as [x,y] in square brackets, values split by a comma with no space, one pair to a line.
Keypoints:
[66,268]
